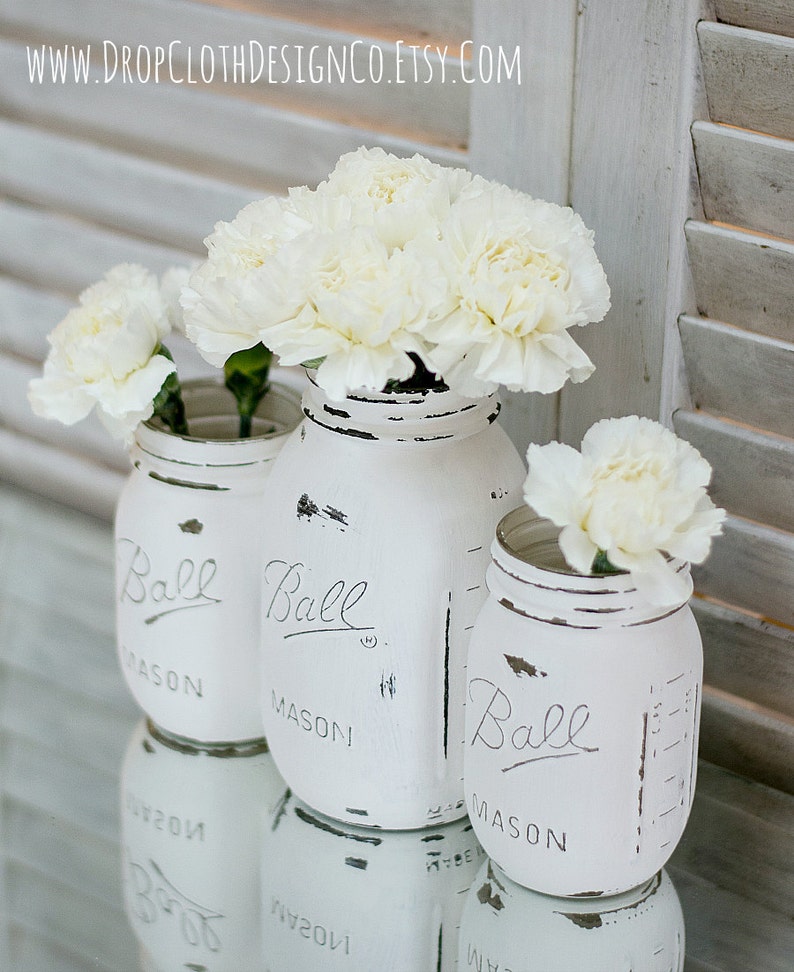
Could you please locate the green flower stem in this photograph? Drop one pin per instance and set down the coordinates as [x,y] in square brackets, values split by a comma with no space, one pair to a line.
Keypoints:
[246,378]
[602,564]
[168,404]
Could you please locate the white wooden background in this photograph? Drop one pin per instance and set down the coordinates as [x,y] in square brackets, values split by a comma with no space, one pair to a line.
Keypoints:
[667,124]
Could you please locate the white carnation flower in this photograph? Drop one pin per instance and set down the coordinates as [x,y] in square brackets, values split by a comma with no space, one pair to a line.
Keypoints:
[343,299]
[172,283]
[103,354]
[396,196]
[520,273]
[636,492]
[212,302]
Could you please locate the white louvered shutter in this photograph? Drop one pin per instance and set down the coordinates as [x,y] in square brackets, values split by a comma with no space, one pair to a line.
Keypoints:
[96,173]
[739,358]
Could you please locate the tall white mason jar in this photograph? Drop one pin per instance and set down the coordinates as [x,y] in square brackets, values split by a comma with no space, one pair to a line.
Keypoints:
[188,533]
[582,720]
[383,510]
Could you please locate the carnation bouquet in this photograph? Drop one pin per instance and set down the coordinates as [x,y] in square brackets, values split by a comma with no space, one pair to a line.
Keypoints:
[400,270]
[392,273]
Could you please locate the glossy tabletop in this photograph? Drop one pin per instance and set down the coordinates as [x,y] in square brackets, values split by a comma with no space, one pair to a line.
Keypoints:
[120,852]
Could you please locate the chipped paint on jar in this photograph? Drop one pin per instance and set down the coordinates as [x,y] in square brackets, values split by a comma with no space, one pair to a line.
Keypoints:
[188,534]
[192,825]
[340,897]
[373,576]
[582,719]
[508,928]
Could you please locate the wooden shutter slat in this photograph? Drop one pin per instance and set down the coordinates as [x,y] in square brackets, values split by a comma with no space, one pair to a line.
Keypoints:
[745,908]
[425,21]
[52,473]
[745,178]
[742,278]
[753,800]
[44,522]
[436,112]
[745,656]
[66,254]
[88,437]
[775,16]
[740,934]
[232,139]
[747,739]
[751,566]
[727,367]
[27,315]
[728,812]
[749,77]
[121,191]
[753,472]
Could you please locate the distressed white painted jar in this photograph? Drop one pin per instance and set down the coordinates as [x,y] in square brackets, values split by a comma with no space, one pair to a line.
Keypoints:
[191,831]
[338,897]
[188,533]
[508,928]
[582,720]
[373,576]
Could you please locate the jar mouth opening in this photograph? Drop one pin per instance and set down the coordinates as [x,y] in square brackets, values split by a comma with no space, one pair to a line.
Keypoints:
[218,428]
[211,413]
[535,541]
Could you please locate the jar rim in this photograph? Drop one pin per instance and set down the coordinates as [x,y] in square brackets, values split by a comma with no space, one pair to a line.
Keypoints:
[427,416]
[192,388]
[209,399]
[522,531]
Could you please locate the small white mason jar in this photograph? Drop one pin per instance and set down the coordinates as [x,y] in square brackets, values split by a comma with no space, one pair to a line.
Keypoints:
[384,506]
[582,720]
[188,534]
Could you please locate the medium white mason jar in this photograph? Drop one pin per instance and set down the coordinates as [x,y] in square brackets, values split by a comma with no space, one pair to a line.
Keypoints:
[507,928]
[192,824]
[189,526]
[383,510]
[582,720]
[338,898]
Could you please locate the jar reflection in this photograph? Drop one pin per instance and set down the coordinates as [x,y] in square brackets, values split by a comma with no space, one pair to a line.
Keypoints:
[507,928]
[341,897]
[191,828]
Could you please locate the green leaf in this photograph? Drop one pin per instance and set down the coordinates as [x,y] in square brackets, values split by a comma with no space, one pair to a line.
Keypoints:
[246,378]
[602,564]
[168,404]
